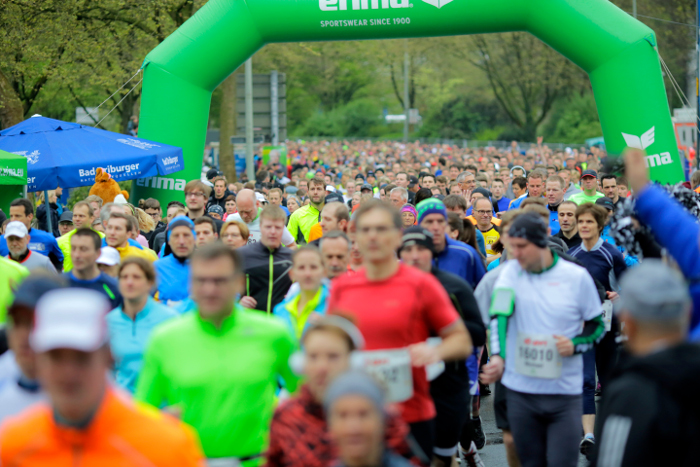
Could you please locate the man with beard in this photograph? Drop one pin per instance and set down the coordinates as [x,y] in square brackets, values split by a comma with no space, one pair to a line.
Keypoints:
[305,217]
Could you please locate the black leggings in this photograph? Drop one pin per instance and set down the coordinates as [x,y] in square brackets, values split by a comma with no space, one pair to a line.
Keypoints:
[423,437]
[450,392]
[606,353]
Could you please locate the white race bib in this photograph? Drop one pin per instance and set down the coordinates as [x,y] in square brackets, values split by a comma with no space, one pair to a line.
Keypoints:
[607,314]
[537,356]
[434,370]
[392,368]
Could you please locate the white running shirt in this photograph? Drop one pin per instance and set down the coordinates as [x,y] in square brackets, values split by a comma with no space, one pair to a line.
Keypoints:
[556,301]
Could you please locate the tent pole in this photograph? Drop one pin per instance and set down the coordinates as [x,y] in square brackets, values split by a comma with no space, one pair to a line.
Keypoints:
[48,212]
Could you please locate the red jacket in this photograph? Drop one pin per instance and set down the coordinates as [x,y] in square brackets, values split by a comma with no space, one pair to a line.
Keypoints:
[299,435]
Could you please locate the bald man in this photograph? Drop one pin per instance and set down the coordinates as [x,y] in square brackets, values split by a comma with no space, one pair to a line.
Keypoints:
[249,213]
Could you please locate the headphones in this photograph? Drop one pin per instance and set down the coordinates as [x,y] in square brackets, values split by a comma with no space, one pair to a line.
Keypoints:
[519,167]
[298,358]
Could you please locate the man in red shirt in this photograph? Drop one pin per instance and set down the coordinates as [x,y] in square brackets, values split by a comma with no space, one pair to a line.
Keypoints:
[398,307]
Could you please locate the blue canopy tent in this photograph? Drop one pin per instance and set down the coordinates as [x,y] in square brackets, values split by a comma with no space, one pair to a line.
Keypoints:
[67,154]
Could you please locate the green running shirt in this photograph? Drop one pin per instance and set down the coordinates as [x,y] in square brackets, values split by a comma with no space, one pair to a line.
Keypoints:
[223,380]
[581,198]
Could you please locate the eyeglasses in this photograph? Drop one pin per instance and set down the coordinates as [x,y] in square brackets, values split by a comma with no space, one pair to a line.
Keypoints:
[194,194]
[483,213]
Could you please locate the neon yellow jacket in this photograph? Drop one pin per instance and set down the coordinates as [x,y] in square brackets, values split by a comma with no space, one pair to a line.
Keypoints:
[11,274]
[301,221]
[64,245]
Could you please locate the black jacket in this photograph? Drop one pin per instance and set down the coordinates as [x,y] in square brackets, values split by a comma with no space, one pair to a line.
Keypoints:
[151,236]
[570,242]
[650,412]
[41,218]
[220,201]
[462,296]
[455,376]
[258,260]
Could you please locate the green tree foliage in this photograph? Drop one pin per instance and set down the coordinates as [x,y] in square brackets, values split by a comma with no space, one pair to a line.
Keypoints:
[361,117]
[573,120]
[462,118]
[86,48]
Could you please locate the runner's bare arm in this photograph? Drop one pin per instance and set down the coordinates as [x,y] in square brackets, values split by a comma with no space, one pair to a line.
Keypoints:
[456,342]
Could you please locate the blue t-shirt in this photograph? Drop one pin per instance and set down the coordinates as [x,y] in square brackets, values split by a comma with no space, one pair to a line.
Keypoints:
[103,283]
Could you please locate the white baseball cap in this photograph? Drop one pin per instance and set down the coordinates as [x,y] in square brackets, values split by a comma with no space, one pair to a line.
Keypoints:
[109,256]
[330,188]
[260,197]
[16,229]
[120,199]
[70,319]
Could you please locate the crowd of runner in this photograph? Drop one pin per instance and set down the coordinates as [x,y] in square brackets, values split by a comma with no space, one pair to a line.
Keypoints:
[356,306]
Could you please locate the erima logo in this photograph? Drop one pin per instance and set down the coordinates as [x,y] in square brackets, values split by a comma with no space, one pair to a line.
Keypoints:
[640,142]
[335,5]
[643,142]
[161,183]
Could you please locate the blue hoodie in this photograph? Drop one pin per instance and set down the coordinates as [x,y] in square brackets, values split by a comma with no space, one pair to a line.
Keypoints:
[679,232]
[173,278]
[461,259]
[128,339]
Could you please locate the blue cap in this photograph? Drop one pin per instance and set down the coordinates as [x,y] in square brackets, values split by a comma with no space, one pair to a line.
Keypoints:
[180,221]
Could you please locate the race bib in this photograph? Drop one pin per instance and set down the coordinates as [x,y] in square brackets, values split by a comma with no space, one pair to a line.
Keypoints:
[537,356]
[434,370]
[392,368]
[607,314]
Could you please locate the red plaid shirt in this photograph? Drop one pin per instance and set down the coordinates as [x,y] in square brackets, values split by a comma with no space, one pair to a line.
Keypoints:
[299,435]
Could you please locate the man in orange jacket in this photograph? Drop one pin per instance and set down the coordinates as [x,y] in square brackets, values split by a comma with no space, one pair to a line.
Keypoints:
[88,422]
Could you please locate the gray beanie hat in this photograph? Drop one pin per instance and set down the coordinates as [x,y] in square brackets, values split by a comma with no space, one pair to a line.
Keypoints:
[653,291]
[358,383]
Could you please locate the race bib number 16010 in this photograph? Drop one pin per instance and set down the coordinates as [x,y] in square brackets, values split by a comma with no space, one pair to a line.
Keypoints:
[537,356]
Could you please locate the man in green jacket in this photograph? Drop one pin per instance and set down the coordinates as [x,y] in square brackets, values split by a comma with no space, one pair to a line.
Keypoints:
[218,366]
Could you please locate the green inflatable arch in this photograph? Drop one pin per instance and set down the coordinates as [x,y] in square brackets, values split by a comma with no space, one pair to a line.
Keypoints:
[618,53]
